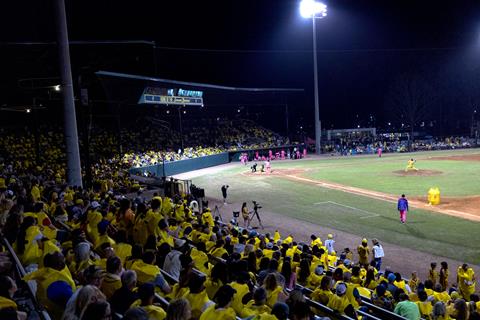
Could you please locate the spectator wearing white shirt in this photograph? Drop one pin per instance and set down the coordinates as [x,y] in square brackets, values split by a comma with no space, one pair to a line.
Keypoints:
[329,244]
[378,253]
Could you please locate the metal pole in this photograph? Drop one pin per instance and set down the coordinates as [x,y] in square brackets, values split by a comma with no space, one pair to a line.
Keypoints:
[74,172]
[86,114]
[318,131]
[286,121]
[36,132]
[181,126]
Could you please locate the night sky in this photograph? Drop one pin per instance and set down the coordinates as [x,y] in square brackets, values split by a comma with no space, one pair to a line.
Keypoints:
[364,46]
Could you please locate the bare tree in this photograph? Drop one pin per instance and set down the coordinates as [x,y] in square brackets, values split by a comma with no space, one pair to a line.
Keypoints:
[408,98]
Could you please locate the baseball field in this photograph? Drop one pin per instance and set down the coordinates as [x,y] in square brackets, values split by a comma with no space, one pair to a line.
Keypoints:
[357,195]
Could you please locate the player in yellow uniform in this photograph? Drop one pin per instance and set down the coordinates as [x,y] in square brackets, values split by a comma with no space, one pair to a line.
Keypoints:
[411,165]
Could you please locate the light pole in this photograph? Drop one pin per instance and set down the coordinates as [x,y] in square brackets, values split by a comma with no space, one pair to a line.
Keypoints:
[315,10]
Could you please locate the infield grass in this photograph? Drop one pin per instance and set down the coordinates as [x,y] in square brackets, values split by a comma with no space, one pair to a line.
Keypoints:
[425,231]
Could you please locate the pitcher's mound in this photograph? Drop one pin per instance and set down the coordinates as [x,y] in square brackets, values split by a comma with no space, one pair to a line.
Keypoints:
[420,172]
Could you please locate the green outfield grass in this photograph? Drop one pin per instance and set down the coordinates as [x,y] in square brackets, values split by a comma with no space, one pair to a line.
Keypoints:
[425,231]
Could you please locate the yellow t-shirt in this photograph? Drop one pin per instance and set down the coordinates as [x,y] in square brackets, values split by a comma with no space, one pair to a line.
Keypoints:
[241,289]
[145,272]
[218,314]
[154,312]
[251,309]
[338,303]
[199,302]
[425,308]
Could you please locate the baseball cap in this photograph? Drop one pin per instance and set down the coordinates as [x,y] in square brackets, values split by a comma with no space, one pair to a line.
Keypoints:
[59,292]
[341,289]
[179,243]
[364,240]
[381,290]
[330,236]
[319,270]
[391,277]
[103,225]
[269,245]
[280,310]
[95,205]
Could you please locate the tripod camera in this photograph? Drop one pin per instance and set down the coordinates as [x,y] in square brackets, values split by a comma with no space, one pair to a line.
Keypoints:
[256,206]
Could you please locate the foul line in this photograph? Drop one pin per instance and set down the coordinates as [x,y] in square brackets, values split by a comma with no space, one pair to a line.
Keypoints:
[384,197]
[370,214]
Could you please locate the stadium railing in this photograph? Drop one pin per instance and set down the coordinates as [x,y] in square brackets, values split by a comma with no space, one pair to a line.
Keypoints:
[21,273]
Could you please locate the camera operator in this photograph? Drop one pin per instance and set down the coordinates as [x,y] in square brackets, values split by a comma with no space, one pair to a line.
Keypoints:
[245,215]
[224,193]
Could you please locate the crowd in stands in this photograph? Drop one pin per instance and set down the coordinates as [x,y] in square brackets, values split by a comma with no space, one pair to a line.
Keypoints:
[96,254]
[394,144]
[149,144]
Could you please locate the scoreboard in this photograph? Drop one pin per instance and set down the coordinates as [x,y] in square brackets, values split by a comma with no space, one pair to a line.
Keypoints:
[168,96]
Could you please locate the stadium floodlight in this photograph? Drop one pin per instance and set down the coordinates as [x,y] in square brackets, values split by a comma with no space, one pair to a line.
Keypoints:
[57,87]
[315,10]
[311,8]
[28,110]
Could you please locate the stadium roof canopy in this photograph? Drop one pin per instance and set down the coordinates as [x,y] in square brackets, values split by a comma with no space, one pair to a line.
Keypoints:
[127,88]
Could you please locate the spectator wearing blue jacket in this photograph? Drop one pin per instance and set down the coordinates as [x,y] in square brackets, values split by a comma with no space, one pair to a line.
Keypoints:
[402,207]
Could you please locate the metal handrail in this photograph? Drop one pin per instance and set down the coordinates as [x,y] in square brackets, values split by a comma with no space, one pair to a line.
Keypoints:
[21,271]
[384,313]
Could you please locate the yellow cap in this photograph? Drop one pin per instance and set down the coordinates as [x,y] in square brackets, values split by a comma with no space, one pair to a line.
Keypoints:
[330,236]
[364,240]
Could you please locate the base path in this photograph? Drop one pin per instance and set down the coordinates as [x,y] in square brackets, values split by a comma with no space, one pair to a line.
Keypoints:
[469,203]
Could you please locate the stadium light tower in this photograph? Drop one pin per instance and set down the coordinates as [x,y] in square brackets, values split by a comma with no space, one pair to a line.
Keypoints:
[315,10]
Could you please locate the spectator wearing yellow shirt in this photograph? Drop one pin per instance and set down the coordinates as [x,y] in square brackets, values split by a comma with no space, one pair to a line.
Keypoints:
[466,281]
[8,288]
[432,273]
[197,296]
[323,293]
[240,285]
[146,293]
[218,250]
[339,302]
[221,310]
[112,281]
[274,290]
[424,305]
[443,275]
[147,271]
[257,305]
[218,278]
